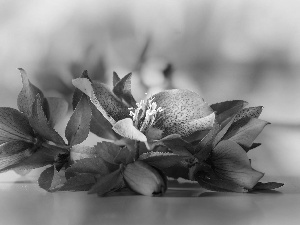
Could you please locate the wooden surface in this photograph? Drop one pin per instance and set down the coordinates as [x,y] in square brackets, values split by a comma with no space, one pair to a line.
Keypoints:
[23,202]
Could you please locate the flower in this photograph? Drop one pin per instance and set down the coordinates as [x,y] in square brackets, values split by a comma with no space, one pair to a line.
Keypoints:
[145,179]
[176,111]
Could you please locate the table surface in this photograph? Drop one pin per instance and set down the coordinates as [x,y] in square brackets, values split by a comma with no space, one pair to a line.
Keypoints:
[23,202]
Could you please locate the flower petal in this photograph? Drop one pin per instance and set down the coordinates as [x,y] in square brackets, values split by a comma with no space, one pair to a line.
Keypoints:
[231,163]
[126,129]
[104,100]
[245,130]
[11,153]
[14,126]
[180,107]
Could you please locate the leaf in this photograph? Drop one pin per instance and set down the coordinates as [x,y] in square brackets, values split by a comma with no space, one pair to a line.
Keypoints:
[80,182]
[245,130]
[251,112]
[116,78]
[122,89]
[78,127]
[222,132]
[40,124]
[204,147]
[108,183]
[226,110]
[95,165]
[179,146]
[125,156]
[49,179]
[14,126]
[27,96]
[126,129]
[162,160]
[267,186]
[14,152]
[58,109]
[104,100]
[107,151]
[182,112]
[231,163]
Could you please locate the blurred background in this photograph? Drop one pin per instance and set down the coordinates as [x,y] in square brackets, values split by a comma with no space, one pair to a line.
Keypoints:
[223,50]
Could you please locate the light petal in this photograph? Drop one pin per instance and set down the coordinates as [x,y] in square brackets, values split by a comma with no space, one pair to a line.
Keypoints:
[180,107]
[126,129]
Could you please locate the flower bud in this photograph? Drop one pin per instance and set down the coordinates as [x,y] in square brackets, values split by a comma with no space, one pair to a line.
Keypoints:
[145,179]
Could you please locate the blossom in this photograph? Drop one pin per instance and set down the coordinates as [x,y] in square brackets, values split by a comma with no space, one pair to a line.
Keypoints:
[176,111]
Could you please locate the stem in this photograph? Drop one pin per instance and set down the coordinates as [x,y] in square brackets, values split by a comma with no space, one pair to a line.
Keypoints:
[137,149]
[64,148]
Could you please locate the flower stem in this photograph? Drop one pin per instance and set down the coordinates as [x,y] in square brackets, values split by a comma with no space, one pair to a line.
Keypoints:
[64,148]
[137,149]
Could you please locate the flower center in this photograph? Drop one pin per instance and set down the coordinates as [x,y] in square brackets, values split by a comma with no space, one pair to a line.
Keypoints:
[144,115]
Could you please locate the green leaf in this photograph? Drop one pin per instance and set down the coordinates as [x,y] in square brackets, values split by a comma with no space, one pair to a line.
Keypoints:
[14,152]
[14,126]
[231,163]
[125,156]
[107,151]
[251,112]
[49,179]
[184,112]
[80,182]
[40,124]
[226,110]
[58,109]
[267,186]
[92,165]
[122,89]
[27,96]
[78,127]
[108,183]
[162,160]
[104,99]
[222,132]
[126,129]
[245,130]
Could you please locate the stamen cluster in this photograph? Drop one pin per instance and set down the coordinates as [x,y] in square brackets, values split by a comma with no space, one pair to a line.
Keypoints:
[144,115]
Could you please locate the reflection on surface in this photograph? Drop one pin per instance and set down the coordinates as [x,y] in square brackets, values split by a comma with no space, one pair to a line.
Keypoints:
[25,203]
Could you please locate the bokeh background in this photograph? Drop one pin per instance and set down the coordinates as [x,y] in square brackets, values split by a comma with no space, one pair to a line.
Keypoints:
[224,50]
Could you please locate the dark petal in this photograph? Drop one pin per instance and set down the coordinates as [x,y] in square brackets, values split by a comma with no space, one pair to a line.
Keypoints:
[231,163]
[251,112]
[226,110]
[245,131]
[14,126]
[122,89]
[104,99]
[12,153]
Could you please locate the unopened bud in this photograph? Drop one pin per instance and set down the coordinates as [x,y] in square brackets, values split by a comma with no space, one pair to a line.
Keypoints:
[145,179]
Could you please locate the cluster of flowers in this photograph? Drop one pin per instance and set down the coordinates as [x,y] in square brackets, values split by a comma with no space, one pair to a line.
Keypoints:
[174,133]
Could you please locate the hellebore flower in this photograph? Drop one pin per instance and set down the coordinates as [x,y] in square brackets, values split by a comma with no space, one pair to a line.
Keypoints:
[24,133]
[222,155]
[169,112]
[145,179]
